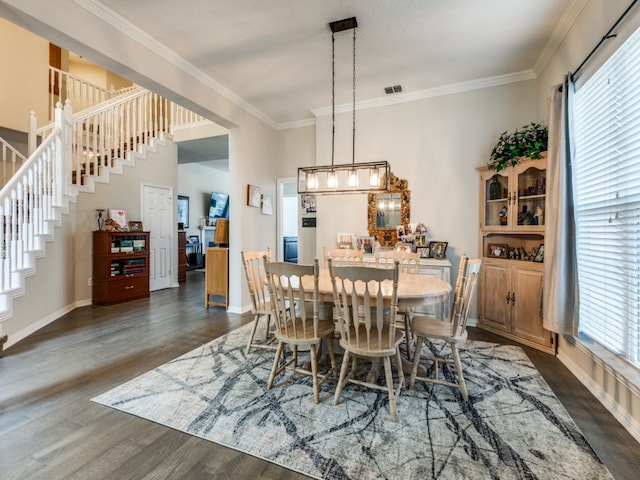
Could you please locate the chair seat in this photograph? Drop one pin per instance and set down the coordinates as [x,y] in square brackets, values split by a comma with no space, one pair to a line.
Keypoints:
[263,308]
[325,328]
[434,328]
[374,348]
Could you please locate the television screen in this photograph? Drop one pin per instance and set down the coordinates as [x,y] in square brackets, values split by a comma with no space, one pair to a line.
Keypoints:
[219,205]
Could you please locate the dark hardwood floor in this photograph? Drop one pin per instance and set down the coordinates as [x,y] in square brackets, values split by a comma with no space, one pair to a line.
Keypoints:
[49,428]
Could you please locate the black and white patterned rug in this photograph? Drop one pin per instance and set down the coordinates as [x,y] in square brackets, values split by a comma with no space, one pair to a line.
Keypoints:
[513,426]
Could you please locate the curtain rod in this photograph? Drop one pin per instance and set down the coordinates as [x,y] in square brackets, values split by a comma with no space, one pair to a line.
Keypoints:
[607,36]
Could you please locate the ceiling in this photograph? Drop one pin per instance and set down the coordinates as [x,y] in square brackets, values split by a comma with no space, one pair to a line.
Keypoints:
[210,151]
[276,55]
[273,57]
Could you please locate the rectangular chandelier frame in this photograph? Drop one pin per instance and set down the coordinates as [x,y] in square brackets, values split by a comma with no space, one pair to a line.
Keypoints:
[346,178]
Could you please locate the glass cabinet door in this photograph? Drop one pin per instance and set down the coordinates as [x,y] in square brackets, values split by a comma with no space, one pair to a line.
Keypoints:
[530,193]
[496,200]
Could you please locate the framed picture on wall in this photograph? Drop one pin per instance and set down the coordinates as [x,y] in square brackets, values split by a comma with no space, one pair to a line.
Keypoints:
[253,196]
[267,205]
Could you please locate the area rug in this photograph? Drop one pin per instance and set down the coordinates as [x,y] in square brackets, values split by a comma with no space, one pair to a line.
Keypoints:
[512,427]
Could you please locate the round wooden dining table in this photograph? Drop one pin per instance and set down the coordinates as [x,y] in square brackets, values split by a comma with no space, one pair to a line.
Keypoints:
[414,290]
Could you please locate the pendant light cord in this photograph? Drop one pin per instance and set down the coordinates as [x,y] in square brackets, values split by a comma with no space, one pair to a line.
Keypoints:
[353,140]
[333,96]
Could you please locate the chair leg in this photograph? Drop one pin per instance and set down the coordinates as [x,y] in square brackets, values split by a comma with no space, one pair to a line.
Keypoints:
[256,319]
[407,335]
[458,364]
[266,334]
[416,361]
[341,380]
[276,360]
[392,394]
[400,371]
[314,373]
[332,356]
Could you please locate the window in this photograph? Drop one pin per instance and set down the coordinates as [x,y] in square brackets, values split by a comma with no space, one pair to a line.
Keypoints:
[607,196]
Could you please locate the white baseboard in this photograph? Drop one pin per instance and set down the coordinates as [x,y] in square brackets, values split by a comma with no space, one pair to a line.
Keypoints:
[626,420]
[34,327]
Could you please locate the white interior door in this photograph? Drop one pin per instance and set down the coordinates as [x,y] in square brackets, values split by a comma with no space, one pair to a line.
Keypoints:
[157,218]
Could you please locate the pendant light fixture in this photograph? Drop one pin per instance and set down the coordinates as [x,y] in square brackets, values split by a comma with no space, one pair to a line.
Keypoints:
[350,177]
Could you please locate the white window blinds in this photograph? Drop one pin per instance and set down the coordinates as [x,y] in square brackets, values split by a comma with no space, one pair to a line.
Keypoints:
[607,196]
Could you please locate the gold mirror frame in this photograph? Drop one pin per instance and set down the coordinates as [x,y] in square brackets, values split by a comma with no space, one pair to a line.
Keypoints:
[389,236]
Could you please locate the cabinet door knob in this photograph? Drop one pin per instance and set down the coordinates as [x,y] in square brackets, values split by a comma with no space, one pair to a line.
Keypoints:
[513,298]
[508,295]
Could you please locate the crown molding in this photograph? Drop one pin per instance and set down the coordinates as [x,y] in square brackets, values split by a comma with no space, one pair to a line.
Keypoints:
[559,33]
[310,122]
[116,20]
[431,92]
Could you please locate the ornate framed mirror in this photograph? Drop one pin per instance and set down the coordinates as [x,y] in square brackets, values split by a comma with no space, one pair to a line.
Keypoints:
[388,210]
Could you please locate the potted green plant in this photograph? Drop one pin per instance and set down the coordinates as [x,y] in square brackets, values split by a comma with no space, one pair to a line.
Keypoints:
[529,141]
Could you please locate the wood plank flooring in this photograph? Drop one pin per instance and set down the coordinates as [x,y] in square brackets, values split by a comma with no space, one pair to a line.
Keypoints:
[49,428]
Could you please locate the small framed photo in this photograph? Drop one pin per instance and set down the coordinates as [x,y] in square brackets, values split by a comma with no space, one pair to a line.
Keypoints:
[253,196]
[120,216]
[498,250]
[345,240]
[400,232]
[365,243]
[135,226]
[423,252]
[266,205]
[308,202]
[438,250]
[539,254]
[403,247]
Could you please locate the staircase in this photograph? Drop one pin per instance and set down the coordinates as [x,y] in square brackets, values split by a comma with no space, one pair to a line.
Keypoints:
[77,151]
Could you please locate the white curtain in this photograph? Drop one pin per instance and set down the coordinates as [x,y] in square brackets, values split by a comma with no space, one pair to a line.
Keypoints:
[560,289]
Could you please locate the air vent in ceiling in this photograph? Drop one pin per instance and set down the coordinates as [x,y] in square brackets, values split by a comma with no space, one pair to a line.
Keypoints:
[394,89]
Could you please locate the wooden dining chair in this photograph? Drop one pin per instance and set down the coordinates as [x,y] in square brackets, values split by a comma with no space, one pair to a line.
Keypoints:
[454,333]
[366,323]
[343,256]
[253,262]
[296,314]
[409,262]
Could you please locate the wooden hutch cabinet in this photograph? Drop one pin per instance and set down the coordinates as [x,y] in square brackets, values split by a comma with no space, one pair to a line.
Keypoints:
[512,206]
[120,266]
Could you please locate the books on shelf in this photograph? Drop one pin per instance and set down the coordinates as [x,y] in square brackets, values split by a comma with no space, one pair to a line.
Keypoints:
[128,267]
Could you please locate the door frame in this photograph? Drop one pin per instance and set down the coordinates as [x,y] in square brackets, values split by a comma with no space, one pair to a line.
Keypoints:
[280,216]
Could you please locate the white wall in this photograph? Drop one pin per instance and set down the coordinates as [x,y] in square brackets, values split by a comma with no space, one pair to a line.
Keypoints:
[436,144]
[19,75]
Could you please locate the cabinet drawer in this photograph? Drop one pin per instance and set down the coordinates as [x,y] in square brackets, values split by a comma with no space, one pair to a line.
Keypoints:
[122,289]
